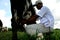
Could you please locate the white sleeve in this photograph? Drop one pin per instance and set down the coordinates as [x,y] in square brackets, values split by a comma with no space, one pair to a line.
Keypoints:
[42,11]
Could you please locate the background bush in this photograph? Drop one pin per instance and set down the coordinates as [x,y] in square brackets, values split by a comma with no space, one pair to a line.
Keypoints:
[9,29]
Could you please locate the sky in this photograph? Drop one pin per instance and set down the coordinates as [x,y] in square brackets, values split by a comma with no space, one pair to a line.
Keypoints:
[5,11]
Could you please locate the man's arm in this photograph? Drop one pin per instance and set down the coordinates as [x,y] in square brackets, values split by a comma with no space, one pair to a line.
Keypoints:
[32,18]
[42,11]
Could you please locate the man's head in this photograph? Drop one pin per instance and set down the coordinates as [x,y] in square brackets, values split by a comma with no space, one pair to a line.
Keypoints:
[39,4]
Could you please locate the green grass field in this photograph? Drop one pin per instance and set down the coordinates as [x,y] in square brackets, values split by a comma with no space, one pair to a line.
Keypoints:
[23,36]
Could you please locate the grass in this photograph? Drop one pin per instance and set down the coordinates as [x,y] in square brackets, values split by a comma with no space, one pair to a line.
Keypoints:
[5,35]
[23,36]
[55,35]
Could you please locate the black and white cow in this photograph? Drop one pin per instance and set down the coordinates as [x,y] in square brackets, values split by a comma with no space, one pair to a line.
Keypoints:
[20,9]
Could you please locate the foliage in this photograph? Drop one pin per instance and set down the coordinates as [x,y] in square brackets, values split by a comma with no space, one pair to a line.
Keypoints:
[9,29]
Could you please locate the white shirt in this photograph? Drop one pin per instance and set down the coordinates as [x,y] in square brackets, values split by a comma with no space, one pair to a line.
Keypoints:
[46,17]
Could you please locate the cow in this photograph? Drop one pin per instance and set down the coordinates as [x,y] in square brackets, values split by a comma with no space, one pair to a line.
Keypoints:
[19,10]
[1,25]
[4,29]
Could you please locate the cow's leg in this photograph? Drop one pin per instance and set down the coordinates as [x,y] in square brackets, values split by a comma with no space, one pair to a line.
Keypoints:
[14,29]
[20,25]
[0,29]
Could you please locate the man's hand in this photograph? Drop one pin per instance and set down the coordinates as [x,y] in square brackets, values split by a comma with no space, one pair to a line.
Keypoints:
[23,21]
[32,18]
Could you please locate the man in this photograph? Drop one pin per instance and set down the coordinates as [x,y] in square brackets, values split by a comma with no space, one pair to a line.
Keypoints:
[45,16]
